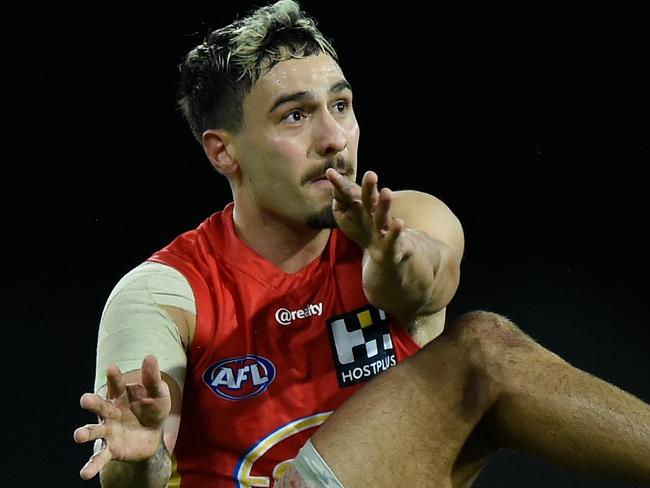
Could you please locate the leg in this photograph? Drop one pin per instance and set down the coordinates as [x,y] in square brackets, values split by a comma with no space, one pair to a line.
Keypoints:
[409,426]
[570,418]
[437,418]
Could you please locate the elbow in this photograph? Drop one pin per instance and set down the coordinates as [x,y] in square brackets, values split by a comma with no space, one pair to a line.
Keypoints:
[445,283]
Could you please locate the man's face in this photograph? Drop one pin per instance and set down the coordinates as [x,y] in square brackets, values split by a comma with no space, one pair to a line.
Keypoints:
[298,121]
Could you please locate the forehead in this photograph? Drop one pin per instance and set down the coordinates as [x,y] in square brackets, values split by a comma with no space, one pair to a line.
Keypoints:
[314,74]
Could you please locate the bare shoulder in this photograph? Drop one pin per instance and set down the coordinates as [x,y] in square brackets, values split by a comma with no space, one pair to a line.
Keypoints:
[429,214]
[416,197]
[415,206]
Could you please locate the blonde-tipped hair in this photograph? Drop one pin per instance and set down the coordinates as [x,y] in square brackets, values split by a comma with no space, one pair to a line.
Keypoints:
[219,72]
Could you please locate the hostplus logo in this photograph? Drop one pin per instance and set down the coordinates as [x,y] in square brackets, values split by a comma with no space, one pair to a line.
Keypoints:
[361,345]
[284,316]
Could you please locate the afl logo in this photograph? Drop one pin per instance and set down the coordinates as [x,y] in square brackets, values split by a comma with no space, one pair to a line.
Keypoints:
[240,378]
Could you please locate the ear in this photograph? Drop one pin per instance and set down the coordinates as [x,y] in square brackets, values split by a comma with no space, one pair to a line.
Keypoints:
[217,147]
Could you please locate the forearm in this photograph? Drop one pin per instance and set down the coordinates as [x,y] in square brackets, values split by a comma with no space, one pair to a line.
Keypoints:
[153,472]
[419,282]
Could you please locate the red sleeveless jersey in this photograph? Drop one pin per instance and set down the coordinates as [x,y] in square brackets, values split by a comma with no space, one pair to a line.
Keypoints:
[273,353]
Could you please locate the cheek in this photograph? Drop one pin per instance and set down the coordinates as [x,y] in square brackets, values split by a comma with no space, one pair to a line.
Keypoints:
[287,150]
[354,132]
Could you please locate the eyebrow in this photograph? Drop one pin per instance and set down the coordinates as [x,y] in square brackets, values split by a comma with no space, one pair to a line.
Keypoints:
[305,95]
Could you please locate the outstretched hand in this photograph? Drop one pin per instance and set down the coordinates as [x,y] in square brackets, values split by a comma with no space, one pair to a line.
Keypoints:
[363,213]
[131,417]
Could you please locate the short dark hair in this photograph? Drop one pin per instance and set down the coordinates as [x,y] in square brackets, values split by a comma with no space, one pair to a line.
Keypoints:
[218,73]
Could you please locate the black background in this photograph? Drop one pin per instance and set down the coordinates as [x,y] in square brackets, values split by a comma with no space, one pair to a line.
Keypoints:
[530,122]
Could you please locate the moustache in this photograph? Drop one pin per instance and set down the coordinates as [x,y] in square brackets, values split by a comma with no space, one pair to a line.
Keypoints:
[339,164]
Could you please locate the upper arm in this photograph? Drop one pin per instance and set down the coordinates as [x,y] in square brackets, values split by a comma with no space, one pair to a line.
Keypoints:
[428,214]
[432,216]
[147,313]
[138,320]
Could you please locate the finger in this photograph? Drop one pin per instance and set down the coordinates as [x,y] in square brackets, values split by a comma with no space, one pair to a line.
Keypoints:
[115,382]
[94,465]
[345,191]
[382,216]
[333,176]
[136,392]
[95,404]
[90,432]
[151,377]
[369,193]
[395,230]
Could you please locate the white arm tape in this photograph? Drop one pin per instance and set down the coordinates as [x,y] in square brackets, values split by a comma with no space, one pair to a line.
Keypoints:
[315,472]
[134,324]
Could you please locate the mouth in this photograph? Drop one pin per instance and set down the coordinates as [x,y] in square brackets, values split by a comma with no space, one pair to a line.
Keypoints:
[322,177]
[322,181]
[339,164]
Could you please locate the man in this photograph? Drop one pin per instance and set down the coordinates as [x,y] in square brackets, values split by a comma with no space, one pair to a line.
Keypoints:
[309,295]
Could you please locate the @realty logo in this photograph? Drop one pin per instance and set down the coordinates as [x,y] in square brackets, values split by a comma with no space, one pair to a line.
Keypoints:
[284,316]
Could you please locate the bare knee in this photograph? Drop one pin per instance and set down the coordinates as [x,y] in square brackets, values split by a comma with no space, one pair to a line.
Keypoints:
[488,338]
[487,328]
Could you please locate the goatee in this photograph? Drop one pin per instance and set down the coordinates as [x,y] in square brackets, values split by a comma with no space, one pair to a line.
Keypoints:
[323,219]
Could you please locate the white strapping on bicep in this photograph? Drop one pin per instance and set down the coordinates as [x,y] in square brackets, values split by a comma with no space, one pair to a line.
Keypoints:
[134,323]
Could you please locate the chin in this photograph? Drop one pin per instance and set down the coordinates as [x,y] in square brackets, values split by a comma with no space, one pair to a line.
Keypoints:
[323,219]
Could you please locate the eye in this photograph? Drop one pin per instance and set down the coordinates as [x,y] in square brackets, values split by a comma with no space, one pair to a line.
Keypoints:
[295,116]
[340,106]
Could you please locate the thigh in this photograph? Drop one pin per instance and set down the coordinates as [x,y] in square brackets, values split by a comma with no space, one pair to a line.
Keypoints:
[475,454]
[408,426]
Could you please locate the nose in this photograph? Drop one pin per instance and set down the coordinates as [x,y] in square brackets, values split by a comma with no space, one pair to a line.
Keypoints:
[330,137]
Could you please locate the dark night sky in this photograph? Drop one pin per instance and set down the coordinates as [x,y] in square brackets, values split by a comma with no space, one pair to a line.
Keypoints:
[531,123]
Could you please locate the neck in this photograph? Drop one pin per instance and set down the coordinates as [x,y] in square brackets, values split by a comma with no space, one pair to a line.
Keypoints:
[289,247]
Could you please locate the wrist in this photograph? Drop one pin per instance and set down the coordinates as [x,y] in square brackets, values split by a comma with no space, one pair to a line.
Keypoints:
[403,282]
[150,472]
